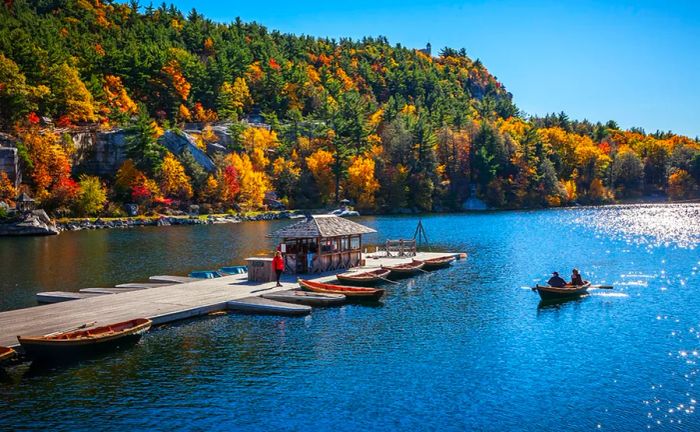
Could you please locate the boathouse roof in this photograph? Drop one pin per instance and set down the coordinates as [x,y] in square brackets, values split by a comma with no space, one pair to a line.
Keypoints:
[323,226]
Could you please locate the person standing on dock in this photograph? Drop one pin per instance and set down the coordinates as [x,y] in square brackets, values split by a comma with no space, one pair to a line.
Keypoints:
[278,265]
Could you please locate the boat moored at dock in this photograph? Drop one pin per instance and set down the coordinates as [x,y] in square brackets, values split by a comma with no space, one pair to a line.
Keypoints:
[436,263]
[357,293]
[6,354]
[406,269]
[205,274]
[371,277]
[83,341]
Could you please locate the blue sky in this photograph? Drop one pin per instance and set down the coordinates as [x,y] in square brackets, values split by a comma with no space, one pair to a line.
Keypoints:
[636,62]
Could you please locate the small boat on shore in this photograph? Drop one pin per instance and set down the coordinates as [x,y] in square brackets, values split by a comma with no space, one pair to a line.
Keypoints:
[405,270]
[357,293]
[436,263]
[371,277]
[6,353]
[205,274]
[67,345]
[567,291]
[234,270]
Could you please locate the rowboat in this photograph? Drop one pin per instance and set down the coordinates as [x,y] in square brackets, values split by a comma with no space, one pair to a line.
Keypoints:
[74,343]
[567,291]
[364,278]
[234,270]
[436,263]
[6,354]
[205,274]
[348,291]
[405,270]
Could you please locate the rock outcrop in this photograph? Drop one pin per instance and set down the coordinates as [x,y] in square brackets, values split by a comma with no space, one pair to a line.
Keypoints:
[179,142]
[36,223]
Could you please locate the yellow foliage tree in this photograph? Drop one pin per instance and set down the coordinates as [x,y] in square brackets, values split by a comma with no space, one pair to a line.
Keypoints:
[183,113]
[319,163]
[257,137]
[253,183]
[70,95]
[174,181]
[210,193]
[362,184]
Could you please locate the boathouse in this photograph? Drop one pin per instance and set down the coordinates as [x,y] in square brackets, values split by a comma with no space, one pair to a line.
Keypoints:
[321,243]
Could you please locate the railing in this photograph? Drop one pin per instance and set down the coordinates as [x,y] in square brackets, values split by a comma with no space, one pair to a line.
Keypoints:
[400,248]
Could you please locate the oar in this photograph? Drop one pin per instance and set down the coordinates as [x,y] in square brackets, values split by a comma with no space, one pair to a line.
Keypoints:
[387,280]
[424,271]
[602,286]
[82,326]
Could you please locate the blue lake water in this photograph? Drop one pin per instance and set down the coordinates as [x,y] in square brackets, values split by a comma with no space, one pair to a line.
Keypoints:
[469,347]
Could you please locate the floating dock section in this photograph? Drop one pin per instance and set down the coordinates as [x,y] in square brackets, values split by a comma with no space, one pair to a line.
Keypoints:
[261,305]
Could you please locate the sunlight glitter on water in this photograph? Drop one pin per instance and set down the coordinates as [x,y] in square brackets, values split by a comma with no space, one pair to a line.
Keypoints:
[647,224]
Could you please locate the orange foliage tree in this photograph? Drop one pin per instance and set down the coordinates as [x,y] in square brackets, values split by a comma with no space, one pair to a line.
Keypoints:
[117,97]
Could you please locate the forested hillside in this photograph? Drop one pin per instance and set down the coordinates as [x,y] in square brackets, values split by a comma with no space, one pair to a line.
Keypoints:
[386,126]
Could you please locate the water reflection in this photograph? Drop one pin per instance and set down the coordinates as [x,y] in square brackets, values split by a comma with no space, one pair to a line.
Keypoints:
[462,348]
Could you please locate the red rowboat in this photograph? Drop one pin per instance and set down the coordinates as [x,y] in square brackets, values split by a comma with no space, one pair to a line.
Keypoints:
[364,278]
[71,344]
[6,354]
[348,291]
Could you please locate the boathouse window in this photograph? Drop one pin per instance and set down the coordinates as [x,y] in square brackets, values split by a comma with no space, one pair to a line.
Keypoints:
[355,242]
[344,243]
[326,245]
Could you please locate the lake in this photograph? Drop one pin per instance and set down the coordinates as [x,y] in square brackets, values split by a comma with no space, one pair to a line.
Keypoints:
[469,347]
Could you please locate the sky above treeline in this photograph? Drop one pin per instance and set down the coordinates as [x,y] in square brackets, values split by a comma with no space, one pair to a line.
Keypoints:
[635,62]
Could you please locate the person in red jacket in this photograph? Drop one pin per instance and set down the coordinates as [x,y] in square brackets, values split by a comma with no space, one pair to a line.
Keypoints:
[278,265]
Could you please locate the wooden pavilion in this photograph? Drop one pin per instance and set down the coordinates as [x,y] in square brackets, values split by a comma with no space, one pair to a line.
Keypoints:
[322,243]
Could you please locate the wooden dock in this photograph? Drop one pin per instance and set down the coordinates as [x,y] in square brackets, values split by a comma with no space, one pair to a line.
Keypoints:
[161,304]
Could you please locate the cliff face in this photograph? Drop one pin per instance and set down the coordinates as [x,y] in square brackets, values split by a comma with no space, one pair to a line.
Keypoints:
[101,153]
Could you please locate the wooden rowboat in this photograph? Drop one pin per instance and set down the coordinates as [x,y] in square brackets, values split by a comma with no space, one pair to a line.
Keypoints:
[364,278]
[405,270]
[6,354]
[554,293]
[72,344]
[436,263]
[348,291]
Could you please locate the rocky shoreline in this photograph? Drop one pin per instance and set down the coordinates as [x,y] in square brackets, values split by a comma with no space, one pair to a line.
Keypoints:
[167,220]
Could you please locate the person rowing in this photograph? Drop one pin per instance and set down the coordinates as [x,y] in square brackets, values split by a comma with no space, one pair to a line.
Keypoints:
[556,281]
[576,279]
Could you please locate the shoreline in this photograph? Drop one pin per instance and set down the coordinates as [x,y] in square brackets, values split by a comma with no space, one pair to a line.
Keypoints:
[79,224]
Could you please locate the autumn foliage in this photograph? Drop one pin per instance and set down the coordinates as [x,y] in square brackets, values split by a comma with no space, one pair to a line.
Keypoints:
[314,120]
